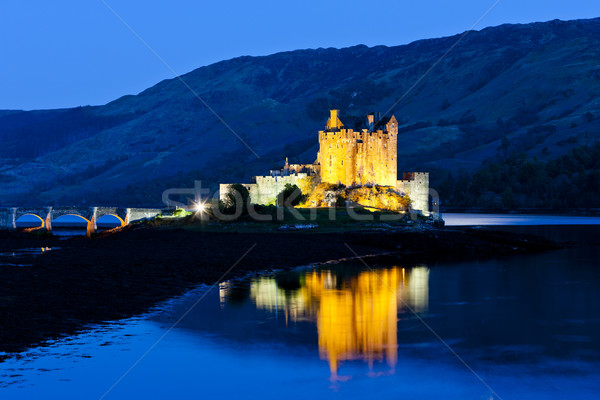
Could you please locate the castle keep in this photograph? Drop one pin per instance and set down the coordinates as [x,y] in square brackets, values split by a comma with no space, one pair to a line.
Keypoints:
[359,158]
[364,157]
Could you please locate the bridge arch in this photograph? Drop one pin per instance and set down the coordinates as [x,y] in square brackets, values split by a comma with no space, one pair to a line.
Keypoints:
[42,220]
[121,220]
[87,221]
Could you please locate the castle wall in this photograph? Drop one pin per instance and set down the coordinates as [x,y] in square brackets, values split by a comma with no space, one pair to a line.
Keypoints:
[376,159]
[358,157]
[417,188]
[337,151]
[266,188]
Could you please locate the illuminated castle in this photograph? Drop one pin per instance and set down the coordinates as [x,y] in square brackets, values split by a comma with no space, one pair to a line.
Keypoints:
[359,158]
[366,157]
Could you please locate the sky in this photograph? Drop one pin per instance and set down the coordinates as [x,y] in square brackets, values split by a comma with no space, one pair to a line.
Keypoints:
[67,53]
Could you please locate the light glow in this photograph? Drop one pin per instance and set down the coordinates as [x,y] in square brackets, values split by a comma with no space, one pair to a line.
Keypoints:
[200,207]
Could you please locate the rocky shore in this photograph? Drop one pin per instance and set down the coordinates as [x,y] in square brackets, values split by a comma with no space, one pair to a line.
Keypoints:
[70,284]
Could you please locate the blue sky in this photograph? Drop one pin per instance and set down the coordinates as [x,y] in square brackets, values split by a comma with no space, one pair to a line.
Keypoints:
[67,53]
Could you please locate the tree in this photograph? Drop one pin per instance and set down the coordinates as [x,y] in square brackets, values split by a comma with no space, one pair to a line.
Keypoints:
[508,198]
[291,195]
[237,197]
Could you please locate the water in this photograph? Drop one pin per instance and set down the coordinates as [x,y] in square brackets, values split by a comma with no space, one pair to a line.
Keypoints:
[462,219]
[526,326]
[14,258]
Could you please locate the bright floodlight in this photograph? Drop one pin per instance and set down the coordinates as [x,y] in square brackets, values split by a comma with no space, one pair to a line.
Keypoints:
[200,207]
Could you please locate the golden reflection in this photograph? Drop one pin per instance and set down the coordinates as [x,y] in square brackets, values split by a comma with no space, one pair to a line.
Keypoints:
[223,293]
[356,315]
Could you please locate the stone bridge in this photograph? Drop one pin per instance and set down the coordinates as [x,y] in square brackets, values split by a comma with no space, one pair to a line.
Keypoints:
[9,216]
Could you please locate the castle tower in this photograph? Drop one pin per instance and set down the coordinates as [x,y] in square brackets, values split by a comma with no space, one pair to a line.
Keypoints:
[355,158]
[334,123]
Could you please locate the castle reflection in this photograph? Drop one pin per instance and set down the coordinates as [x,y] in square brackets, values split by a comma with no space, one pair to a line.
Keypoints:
[356,314]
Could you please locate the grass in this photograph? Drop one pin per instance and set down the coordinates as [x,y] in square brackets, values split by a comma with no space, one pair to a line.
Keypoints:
[326,219]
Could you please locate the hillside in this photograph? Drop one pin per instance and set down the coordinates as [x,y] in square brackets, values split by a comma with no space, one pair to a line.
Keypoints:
[509,94]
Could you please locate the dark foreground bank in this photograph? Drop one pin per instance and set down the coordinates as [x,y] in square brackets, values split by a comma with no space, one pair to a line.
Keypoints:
[125,273]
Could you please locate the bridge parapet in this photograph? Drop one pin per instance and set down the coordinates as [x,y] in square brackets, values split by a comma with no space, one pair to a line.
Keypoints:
[84,212]
[138,214]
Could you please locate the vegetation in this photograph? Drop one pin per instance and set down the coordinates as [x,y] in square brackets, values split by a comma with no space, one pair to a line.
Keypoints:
[381,197]
[237,196]
[307,184]
[569,181]
[325,195]
[180,212]
[35,133]
[291,195]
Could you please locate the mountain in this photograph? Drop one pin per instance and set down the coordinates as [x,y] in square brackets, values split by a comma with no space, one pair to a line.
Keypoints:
[508,95]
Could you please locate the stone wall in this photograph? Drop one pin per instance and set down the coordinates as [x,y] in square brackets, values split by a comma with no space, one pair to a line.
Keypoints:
[416,185]
[357,158]
[138,214]
[7,218]
[266,188]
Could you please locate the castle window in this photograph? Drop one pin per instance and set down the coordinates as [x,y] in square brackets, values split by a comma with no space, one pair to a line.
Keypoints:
[342,162]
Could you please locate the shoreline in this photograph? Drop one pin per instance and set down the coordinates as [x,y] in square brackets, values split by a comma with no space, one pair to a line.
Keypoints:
[126,272]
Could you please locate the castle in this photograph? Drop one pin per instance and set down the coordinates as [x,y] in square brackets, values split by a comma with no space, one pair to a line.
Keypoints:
[352,158]
[359,158]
